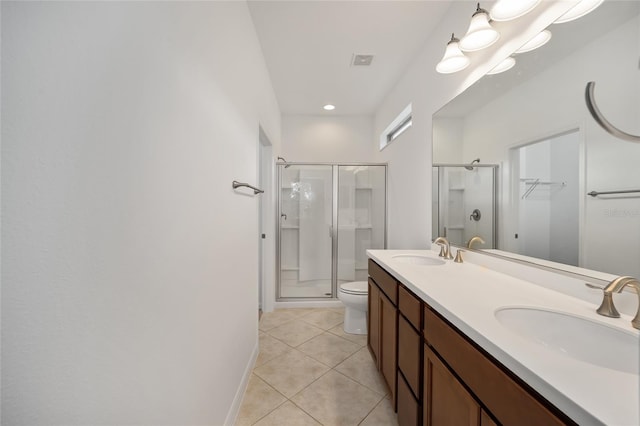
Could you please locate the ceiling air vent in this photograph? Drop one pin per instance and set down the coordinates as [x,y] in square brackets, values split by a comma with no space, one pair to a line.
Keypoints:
[362,60]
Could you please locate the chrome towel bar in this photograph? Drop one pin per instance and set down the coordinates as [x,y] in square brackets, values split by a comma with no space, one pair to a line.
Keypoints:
[625,191]
[237,184]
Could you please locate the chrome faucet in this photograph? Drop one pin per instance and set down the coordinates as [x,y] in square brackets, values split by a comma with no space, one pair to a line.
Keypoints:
[473,240]
[608,309]
[445,247]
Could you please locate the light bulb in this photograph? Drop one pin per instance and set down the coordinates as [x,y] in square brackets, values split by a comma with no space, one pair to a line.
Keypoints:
[329,107]
[453,59]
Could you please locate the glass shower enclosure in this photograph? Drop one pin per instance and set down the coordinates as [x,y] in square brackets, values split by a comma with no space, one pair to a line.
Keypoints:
[328,216]
[465,203]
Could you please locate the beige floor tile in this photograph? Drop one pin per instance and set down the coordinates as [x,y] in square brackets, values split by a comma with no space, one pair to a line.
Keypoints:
[278,317]
[329,349]
[259,400]
[361,368]
[287,415]
[299,312]
[269,349]
[336,400]
[382,415]
[360,339]
[324,318]
[291,372]
[295,333]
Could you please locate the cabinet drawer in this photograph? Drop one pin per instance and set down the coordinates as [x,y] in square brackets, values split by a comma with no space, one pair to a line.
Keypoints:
[410,306]
[509,401]
[409,346]
[386,282]
[408,407]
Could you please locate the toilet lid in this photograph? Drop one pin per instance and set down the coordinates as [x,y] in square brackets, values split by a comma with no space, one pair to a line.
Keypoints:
[355,287]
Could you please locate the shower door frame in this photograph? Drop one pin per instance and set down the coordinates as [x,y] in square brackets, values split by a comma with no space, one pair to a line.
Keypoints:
[494,197]
[335,167]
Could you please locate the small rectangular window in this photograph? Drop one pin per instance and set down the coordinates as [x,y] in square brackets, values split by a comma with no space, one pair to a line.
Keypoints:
[397,127]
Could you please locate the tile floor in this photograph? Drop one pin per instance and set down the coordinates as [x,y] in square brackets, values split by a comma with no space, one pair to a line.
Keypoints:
[310,372]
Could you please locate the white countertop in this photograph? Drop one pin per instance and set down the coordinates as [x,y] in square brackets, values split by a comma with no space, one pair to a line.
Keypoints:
[467,295]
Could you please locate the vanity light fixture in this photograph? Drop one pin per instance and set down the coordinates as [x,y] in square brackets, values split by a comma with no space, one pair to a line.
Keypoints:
[480,33]
[506,10]
[453,59]
[579,10]
[503,66]
[538,41]
[329,107]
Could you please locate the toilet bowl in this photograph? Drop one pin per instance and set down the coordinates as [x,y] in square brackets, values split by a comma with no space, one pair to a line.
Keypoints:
[354,296]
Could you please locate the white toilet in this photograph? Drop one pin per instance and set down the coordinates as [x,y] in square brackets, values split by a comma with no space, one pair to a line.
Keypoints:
[354,296]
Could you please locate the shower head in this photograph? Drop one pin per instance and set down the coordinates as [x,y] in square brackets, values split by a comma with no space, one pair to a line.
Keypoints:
[470,166]
[282,158]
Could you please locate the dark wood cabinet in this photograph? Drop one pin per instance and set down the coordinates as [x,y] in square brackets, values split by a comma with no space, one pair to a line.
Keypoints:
[408,405]
[383,324]
[446,401]
[436,374]
[506,397]
[388,343]
[373,321]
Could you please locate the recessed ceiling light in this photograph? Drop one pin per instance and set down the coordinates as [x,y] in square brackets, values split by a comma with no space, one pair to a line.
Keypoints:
[538,41]
[506,10]
[329,107]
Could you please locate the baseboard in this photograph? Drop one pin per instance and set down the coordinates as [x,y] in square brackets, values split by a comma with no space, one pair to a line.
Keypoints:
[232,415]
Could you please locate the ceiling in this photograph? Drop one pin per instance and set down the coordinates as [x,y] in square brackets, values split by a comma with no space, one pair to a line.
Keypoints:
[308,47]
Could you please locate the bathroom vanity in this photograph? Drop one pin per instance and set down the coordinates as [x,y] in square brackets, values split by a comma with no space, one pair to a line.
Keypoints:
[444,339]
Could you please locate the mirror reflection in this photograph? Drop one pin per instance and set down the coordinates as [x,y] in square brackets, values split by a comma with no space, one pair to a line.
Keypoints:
[533,122]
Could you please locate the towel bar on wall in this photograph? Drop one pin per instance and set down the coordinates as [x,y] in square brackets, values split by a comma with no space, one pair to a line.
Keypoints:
[235,184]
[625,191]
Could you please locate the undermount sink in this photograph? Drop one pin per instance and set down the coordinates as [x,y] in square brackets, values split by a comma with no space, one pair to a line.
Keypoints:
[417,260]
[576,337]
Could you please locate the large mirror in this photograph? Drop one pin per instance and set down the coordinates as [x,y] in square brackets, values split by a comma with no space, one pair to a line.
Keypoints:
[533,122]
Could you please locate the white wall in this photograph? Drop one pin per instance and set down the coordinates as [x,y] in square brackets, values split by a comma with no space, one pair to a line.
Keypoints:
[327,138]
[129,268]
[409,157]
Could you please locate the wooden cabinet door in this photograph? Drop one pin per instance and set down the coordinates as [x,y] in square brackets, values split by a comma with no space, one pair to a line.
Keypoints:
[388,344]
[446,401]
[409,348]
[408,407]
[485,420]
[373,321]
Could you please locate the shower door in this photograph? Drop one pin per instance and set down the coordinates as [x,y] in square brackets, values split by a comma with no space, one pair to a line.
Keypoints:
[306,231]
[328,215]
